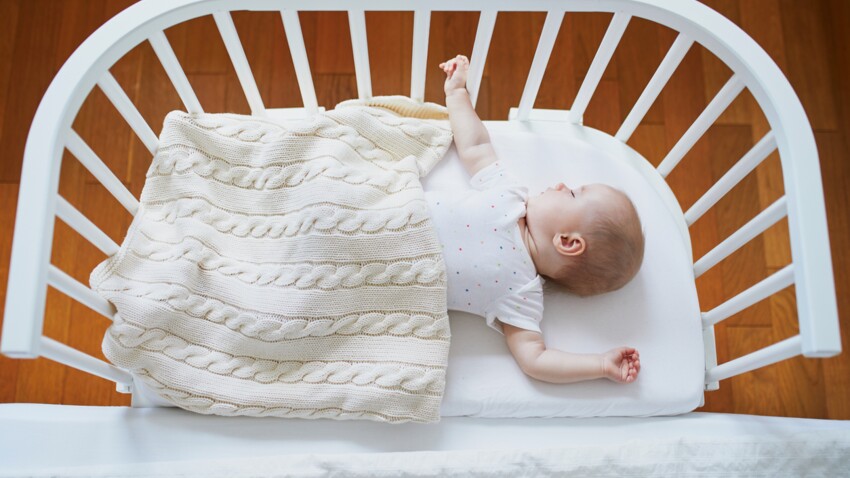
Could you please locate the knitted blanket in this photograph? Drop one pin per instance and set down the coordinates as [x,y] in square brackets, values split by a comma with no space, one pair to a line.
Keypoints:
[287,269]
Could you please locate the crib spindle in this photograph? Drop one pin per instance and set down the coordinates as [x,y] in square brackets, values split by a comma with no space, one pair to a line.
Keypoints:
[80,223]
[421,29]
[295,39]
[486,23]
[89,159]
[175,72]
[741,169]
[777,352]
[768,217]
[597,67]
[360,50]
[765,288]
[128,111]
[541,60]
[228,33]
[74,358]
[71,287]
[659,79]
[713,111]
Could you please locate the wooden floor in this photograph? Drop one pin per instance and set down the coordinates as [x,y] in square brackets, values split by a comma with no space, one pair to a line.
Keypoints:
[808,40]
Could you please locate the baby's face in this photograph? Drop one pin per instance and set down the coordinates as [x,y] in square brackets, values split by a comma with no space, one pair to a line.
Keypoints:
[560,209]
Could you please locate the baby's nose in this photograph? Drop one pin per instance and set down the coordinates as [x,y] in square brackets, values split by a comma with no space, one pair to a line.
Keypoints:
[560,186]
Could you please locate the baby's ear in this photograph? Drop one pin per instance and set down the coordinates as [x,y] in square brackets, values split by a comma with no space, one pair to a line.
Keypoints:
[571,244]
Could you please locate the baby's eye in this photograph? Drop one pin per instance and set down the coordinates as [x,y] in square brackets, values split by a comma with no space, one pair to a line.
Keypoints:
[574,194]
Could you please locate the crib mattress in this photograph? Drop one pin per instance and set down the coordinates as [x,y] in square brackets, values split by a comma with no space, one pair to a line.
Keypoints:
[657,312]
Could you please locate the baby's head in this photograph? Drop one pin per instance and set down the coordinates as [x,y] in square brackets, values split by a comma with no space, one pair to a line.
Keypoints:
[587,239]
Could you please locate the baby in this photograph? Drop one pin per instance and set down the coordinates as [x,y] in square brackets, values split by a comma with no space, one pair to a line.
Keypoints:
[498,241]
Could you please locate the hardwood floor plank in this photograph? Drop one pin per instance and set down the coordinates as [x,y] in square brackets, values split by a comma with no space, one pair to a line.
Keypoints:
[8,367]
[8,30]
[638,57]
[509,59]
[390,38]
[807,51]
[34,59]
[559,86]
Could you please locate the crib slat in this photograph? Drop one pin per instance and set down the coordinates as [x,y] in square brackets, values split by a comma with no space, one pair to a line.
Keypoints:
[486,23]
[74,289]
[770,216]
[74,358]
[541,60]
[659,79]
[89,159]
[421,29]
[719,104]
[790,347]
[597,66]
[228,33]
[128,111]
[175,72]
[80,223]
[360,49]
[739,170]
[768,286]
[292,28]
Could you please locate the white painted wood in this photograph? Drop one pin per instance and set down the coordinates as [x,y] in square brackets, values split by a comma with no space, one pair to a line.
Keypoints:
[659,79]
[72,357]
[80,223]
[765,288]
[736,173]
[295,39]
[175,72]
[777,352]
[228,33]
[360,50]
[597,67]
[421,29]
[713,111]
[541,59]
[69,286]
[768,217]
[483,35]
[101,172]
[128,111]
[813,278]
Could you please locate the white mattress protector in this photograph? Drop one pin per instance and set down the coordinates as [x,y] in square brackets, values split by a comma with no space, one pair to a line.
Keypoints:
[657,312]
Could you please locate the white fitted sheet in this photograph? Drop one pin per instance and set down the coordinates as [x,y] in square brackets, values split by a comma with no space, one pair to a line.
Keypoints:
[657,312]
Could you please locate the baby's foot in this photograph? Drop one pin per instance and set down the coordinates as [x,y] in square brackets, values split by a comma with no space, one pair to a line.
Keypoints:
[621,365]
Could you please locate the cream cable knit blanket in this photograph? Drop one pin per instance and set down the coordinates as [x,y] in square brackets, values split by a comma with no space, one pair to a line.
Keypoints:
[287,270]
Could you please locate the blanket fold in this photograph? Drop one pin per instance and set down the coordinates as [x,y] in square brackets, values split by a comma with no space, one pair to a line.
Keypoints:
[287,269]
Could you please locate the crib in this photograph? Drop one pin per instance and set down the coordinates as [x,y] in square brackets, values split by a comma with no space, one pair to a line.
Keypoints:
[359,447]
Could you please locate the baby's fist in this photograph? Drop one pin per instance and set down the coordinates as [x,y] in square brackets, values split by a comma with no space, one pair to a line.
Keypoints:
[456,70]
[621,364]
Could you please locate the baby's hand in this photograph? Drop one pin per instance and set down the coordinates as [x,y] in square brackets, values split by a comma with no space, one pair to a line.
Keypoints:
[456,70]
[621,364]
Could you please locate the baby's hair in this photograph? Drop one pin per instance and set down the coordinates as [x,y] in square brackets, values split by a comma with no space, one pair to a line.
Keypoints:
[613,253]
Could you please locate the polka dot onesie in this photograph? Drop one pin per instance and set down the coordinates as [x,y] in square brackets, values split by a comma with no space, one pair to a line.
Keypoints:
[490,272]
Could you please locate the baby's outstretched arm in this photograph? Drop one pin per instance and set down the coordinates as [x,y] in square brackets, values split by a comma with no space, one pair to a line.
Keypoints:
[470,135]
[549,365]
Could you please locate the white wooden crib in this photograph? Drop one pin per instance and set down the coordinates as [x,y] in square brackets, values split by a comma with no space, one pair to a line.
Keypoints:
[159,435]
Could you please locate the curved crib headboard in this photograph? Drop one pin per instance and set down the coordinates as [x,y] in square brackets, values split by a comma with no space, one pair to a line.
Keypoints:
[51,133]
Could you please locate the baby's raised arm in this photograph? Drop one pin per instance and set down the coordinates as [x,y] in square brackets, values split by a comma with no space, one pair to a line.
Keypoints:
[470,135]
[621,364]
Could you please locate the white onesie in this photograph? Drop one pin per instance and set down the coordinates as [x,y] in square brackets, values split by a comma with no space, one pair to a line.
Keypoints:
[490,272]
